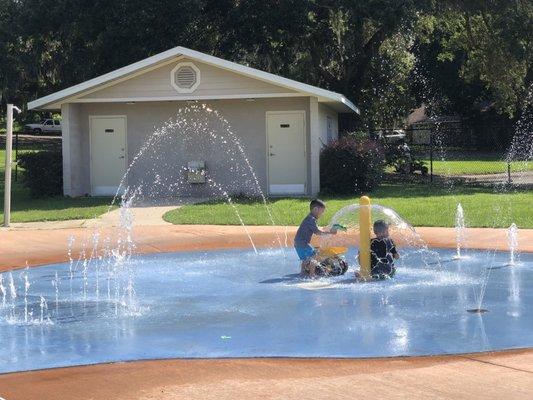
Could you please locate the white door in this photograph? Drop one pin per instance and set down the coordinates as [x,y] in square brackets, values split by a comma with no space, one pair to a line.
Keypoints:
[108,153]
[286,152]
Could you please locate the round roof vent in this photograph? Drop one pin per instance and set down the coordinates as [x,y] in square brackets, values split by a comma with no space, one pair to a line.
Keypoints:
[185,77]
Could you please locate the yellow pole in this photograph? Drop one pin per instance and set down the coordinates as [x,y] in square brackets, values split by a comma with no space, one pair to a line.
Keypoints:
[365,221]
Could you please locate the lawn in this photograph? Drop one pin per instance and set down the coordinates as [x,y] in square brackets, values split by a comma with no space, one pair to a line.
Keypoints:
[475,164]
[476,167]
[26,209]
[420,205]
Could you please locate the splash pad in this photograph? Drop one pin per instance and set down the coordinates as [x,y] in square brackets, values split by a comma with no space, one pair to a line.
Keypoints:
[113,305]
[237,303]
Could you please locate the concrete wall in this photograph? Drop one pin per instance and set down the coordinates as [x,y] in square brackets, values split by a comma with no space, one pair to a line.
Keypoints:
[324,112]
[214,81]
[161,166]
[73,147]
[318,114]
[314,145]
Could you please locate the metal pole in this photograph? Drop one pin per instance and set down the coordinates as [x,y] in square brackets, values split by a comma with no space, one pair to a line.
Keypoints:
[9,150]
[365,221]
[7,180]
[509,181]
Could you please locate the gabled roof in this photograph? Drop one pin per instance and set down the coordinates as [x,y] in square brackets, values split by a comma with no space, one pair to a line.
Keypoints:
[63,96]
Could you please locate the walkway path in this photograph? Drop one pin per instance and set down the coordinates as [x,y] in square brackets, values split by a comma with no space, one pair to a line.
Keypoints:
[148,214]
[518,179]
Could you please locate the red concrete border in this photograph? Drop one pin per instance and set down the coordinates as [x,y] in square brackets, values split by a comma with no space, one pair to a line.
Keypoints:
[38,247]
[507,375]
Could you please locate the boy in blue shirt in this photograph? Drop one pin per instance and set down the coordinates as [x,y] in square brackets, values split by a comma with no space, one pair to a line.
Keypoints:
[302,240]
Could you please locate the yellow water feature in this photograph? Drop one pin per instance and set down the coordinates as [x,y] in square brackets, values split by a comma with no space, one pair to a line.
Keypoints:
[365,222]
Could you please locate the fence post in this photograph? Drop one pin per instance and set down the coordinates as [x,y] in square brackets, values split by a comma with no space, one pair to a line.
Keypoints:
[16,156]
[431,155]
[509,181]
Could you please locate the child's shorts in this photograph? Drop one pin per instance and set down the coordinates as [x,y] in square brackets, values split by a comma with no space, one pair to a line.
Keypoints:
[383,270]
[305,253]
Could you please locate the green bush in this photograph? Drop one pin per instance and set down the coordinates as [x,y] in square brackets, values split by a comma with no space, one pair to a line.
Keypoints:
[43,173]
[351,166]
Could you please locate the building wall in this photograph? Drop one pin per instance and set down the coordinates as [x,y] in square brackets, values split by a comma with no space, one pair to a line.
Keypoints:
[73,146]
[214,82]
[161,166]
[324,112]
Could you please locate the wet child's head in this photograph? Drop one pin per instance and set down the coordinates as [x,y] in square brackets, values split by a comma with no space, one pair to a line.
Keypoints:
[381,229]
[317,207]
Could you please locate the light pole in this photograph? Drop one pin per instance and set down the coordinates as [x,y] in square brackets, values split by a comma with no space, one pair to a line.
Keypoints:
[9,149]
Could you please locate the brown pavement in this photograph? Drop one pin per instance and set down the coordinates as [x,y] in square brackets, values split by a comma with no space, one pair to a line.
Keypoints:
[505,375]
[19,248]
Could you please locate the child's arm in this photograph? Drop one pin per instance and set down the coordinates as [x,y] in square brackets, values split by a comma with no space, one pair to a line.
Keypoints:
[317,231]
[332,231]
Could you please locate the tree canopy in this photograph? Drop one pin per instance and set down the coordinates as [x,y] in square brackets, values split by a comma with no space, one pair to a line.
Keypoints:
[385,55]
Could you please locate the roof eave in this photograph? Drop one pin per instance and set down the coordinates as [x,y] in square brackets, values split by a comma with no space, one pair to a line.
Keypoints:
[54,100]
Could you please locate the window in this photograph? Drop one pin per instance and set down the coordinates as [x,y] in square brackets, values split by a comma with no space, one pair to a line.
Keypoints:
[48,122]
[185,77]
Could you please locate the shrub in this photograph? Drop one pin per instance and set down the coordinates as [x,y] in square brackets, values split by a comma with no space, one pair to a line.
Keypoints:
[43,173]
[351,166]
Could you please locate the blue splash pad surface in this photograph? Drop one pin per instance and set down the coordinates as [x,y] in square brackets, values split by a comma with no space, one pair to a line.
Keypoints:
[239,304]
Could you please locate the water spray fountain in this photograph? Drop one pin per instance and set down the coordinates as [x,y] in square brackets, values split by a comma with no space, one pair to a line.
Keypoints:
[512,240]
[459,231]
[357,219]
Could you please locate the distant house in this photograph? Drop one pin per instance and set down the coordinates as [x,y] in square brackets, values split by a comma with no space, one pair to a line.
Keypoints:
[420,126]
[282,123]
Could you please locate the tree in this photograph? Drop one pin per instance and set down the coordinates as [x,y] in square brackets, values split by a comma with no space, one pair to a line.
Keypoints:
[494,41]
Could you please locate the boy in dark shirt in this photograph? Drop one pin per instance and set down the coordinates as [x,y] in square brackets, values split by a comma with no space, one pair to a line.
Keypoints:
[382,252]
[302,240]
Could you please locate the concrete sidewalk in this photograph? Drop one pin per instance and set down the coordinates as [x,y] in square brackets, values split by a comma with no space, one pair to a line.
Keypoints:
[518,179]
[148,213]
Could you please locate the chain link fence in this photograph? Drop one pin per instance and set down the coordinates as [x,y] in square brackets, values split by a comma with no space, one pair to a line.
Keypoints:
[26,143]
[442,151]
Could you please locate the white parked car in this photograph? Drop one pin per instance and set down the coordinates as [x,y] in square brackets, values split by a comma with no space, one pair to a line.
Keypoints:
[46,126]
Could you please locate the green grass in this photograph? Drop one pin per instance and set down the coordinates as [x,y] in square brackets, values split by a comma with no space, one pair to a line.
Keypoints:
[476,167]
[421,205]
[464,163]
[26,209]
